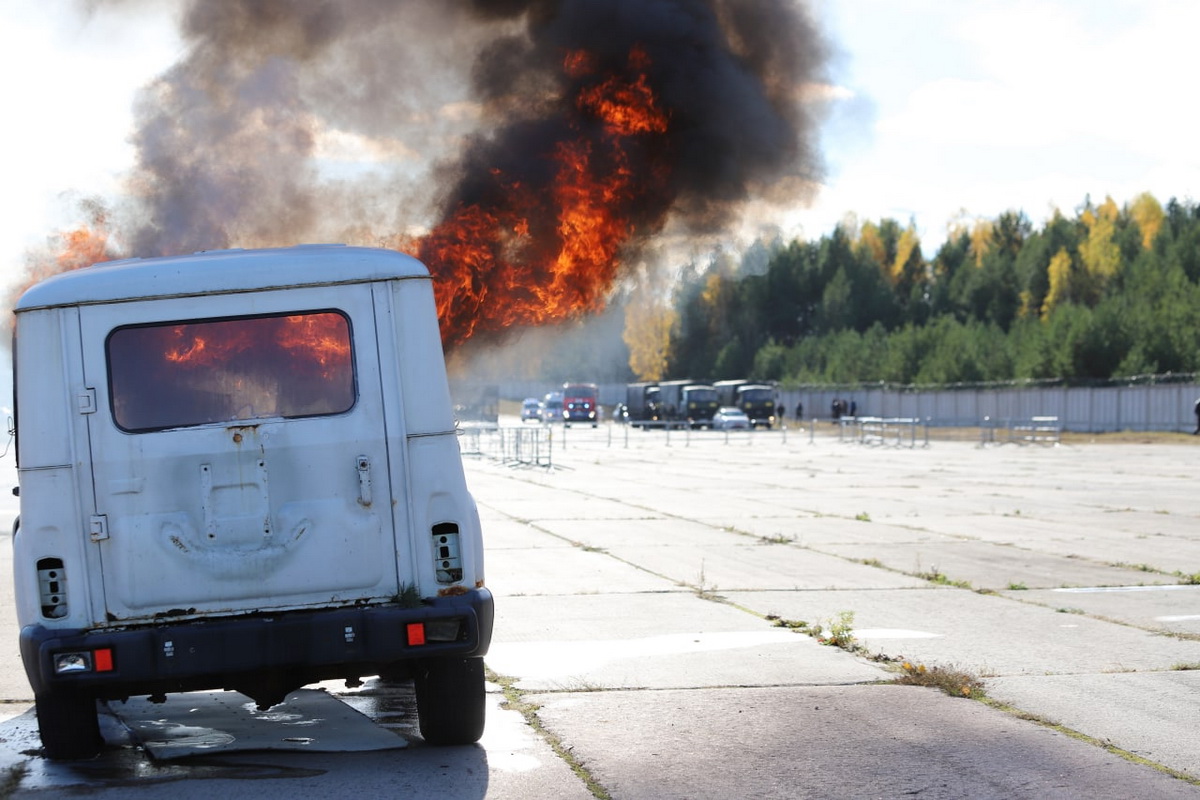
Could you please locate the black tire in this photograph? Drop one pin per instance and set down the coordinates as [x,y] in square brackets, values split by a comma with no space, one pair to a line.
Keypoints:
[451,700]
[69,725]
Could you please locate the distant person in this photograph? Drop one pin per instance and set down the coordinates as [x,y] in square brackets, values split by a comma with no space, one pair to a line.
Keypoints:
[799,411]
[1197,410]
[853,408]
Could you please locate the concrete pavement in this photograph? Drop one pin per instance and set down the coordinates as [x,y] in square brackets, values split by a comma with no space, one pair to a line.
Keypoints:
[638,582]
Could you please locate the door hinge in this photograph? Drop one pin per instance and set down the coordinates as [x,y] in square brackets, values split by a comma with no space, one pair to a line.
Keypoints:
[98,527]
[86,401]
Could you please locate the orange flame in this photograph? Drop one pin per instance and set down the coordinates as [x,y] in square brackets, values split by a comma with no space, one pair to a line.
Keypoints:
[82,247]
[318,342]
[549,254]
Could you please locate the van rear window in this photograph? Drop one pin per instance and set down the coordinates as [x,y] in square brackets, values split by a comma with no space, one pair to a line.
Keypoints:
[207,371]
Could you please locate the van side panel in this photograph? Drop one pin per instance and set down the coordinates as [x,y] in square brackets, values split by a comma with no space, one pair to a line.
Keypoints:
[46,414]
[437,475]
[434,460]
[55,483]
[427,404]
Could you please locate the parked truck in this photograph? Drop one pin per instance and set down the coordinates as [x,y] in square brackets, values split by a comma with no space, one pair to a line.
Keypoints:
[688,402]
[756,399]
[239,470]
[642,404]
[579,404]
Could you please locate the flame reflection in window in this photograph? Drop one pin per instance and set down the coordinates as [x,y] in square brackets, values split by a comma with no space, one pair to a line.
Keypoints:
[192,373]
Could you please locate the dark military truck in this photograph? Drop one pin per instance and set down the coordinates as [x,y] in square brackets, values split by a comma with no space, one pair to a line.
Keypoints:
[688,403]
[642,407]
[756,399]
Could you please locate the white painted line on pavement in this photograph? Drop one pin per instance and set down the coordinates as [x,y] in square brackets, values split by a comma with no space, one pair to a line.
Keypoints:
[1088,589]
[895,633]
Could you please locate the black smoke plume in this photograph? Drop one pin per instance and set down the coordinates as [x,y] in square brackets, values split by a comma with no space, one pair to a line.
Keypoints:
[370,121]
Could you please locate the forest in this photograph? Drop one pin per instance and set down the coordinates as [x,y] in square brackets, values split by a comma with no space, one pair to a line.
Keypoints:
[1108,292]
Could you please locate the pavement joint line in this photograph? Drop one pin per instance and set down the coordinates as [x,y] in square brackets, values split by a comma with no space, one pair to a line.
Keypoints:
[517,700]
[1103,744]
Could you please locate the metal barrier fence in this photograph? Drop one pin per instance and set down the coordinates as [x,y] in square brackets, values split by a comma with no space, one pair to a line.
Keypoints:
[883,431]
[1034,430]
[532,446]
[680,433]
[535,445]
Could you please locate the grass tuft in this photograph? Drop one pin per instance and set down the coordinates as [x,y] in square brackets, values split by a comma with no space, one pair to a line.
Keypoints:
[952,681]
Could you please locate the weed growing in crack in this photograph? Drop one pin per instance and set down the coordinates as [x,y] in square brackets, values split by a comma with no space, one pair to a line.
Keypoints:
[952,681]
[837,632]
[798,625]
[933,575]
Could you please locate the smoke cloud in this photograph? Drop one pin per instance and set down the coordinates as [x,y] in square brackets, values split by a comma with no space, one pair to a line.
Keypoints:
[378,122]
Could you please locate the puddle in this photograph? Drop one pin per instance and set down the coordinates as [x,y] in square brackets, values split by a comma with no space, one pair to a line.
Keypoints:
[198,723]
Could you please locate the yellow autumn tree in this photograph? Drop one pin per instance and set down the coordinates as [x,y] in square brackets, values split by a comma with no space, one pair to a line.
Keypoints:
[906,245]
[1099,253]
[981,239]
[870,241]
[649,319]
[1148,215]
[1059,273]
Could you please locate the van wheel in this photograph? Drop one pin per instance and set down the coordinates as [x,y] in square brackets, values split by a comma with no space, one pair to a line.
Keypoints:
[450,700]
[69,725]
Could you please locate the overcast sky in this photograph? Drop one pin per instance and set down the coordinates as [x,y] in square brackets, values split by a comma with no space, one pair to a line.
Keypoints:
[942,108]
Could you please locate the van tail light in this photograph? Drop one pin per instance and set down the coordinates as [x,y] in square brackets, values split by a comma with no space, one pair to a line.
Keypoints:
[435,630]
[77,661]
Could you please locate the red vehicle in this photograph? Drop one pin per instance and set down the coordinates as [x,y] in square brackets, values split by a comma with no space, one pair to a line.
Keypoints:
[579,403]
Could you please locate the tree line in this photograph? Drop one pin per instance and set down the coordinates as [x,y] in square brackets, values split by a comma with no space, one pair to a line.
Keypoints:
[1107,292]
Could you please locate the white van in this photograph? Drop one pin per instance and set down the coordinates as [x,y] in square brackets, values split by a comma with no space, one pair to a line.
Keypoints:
[239,470]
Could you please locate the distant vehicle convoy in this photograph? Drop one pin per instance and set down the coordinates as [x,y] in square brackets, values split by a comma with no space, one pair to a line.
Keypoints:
[694,403]
[676,403]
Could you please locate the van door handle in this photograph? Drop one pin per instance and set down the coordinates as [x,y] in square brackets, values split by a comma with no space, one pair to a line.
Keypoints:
[364,481]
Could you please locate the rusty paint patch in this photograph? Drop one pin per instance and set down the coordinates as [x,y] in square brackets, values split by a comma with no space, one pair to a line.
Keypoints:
[453,591]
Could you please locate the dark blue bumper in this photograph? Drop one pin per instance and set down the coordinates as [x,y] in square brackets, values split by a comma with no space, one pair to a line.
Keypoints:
[298,647]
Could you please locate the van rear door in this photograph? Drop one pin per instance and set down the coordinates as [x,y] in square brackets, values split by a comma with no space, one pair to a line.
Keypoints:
[239,451]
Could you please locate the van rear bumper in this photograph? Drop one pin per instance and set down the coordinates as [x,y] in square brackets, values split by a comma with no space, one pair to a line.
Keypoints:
[291,648]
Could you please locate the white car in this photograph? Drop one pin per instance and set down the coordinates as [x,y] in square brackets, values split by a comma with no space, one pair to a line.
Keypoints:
[531,409]
[729,418]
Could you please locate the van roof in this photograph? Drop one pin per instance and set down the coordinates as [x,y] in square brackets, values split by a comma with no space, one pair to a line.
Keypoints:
[220,272]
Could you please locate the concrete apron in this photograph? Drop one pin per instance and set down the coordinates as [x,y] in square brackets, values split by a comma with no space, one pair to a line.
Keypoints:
[630,576]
